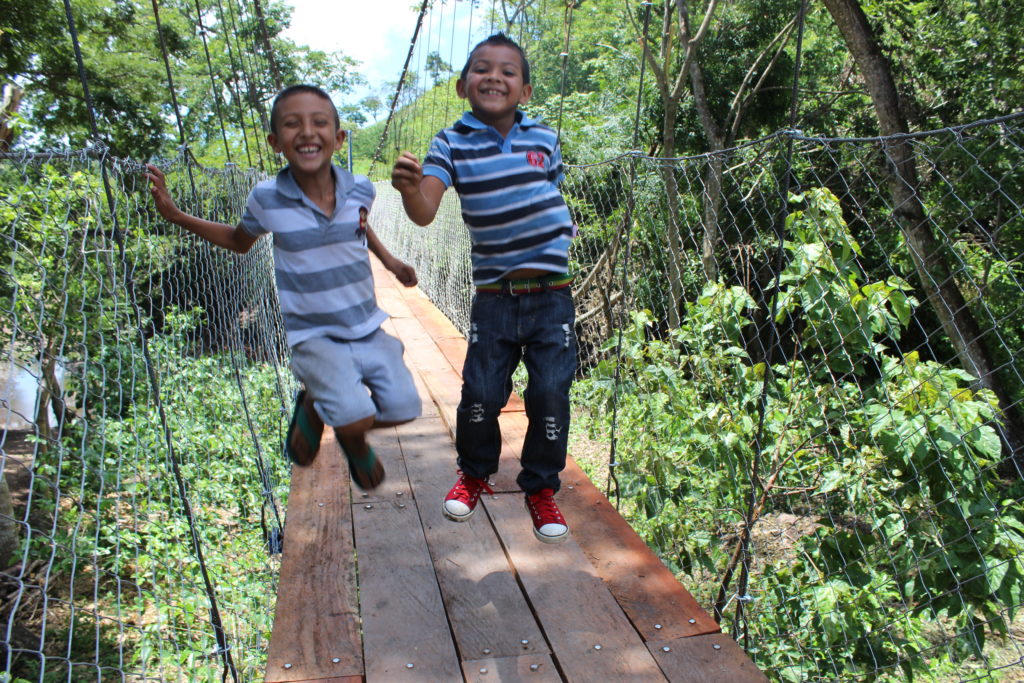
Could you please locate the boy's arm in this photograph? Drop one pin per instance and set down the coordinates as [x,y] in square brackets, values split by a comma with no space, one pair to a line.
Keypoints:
[221,234]
[405,273]
[421,195]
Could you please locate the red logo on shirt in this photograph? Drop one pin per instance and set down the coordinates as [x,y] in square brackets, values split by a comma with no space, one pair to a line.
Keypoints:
[535,159]
[364,222]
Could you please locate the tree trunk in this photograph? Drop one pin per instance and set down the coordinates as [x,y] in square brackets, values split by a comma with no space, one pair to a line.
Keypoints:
[8,108]
[930,257]
[675,242]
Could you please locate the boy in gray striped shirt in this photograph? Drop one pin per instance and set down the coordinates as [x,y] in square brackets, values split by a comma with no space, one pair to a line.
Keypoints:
[352,372]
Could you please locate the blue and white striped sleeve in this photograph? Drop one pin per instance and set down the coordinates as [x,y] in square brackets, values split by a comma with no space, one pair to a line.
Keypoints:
[438,162]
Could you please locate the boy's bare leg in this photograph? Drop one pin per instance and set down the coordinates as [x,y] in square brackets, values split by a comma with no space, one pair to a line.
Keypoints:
[366,469]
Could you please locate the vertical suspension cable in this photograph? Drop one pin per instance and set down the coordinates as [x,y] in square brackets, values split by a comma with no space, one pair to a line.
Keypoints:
[265,38]
[174,98]
[627,236]
[222,645]
[398,89]
[755,484]
[569,6]
[213,82]
[234,83]
[250,87]
[236,334]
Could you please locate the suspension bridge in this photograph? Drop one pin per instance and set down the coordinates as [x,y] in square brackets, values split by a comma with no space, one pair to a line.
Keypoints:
[796,419]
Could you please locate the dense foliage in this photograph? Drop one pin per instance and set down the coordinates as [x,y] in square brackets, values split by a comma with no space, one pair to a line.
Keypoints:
[885,460]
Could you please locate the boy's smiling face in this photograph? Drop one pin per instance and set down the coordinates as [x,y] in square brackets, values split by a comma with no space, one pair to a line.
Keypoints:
[306,133]
[494,85]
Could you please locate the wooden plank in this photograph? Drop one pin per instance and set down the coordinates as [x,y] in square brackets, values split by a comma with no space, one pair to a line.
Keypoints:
[657,604]
[443,382]
[533,668]
[316,619]
[439,326]
[487,610]
[585,628]
[711,658]
[454,350]
[405,631]
[391,301]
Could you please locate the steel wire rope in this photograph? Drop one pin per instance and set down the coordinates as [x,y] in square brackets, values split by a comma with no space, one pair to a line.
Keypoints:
[265,38]
[570,5]
[627,236]
[398,88]
[756,486]
[253,112]
[213,82]
[234,82]
[249,83]
[224,649]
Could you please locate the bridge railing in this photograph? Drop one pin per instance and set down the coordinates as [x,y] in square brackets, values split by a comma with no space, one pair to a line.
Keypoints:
[144,391]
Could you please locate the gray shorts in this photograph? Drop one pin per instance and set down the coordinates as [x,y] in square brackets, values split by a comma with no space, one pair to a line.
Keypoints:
[350,380]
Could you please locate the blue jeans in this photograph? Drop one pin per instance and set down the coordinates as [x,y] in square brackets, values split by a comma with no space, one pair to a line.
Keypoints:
[504,328]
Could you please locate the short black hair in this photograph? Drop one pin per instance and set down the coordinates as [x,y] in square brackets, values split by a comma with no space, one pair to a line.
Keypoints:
[499,38]
[294,90]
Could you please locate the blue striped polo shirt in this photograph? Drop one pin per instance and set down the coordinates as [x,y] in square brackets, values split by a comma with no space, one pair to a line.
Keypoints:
[321,263]
[508,187]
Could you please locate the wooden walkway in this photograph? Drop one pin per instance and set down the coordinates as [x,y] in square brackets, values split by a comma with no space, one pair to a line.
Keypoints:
[380,587]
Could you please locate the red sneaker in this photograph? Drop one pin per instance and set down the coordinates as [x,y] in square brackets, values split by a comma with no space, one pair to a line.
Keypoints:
[548,523]
[460,503]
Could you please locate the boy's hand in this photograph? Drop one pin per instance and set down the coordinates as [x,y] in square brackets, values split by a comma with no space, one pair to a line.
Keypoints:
[405,273]
[161,197]
[407,173]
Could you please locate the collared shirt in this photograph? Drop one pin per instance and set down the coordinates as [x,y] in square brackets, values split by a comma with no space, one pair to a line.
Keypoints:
[321,263]
[508,186]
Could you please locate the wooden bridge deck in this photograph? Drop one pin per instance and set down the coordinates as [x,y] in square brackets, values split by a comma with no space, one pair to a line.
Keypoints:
[380,587]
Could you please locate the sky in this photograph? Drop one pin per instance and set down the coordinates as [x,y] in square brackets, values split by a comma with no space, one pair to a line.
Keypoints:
[377,33]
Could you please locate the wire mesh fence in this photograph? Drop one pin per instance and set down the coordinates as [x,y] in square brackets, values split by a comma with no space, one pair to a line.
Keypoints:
[769,352]
[792,426]
[143,391]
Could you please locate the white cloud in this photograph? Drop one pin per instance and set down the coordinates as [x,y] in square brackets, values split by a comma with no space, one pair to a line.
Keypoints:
[377,33]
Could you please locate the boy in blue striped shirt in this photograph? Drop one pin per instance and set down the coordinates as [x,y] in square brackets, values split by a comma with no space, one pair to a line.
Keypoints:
[506,168]
[351,370]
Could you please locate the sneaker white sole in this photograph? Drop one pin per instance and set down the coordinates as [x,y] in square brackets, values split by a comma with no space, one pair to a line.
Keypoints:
[454,517]
[544,538]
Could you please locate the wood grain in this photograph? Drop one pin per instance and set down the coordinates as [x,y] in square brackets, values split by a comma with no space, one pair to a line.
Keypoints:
[487,610]
[317,620]
[582,621]
[711,658]
[404,621]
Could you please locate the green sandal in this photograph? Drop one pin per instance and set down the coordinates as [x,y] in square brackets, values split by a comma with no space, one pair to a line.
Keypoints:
[367,472]
[304,432]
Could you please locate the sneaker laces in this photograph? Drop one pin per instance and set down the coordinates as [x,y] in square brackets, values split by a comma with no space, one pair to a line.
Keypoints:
[469,488]
[542,505]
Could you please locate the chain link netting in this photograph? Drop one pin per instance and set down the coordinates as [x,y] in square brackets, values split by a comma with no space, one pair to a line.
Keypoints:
[141,509]
[792,429]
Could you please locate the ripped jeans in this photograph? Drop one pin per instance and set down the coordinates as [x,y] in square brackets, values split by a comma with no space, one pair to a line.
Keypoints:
[504,328]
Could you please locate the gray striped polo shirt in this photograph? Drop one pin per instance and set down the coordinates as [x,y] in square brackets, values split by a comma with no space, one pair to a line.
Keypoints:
[321,263]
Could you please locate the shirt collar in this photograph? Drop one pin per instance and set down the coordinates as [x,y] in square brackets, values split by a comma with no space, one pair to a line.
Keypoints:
[522,120]
[286,185]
